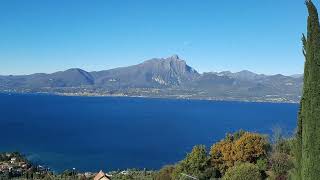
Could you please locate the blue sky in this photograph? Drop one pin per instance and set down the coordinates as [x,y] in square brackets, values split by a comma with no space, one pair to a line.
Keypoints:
[211,35]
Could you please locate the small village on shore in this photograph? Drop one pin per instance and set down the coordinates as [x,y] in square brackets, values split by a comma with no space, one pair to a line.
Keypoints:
[13,165]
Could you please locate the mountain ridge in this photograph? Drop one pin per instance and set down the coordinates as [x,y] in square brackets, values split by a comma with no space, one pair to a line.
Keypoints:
[167,77]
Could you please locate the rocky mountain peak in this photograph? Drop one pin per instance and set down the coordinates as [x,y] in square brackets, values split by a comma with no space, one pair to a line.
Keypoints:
[174,57]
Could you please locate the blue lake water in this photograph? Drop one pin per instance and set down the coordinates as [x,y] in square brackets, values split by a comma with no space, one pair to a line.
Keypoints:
[109,133]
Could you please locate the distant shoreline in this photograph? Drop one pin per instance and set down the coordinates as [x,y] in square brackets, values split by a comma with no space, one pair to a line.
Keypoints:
[152,97]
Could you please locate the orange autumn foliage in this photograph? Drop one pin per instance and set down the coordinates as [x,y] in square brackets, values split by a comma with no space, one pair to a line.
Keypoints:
[249,147]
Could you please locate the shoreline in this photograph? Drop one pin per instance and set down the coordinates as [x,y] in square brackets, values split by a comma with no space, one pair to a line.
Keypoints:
[152,97]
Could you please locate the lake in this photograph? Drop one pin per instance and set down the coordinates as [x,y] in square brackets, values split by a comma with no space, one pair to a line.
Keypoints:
[110,133]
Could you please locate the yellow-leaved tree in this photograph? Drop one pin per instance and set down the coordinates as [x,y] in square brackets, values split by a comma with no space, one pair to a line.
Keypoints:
[246,147]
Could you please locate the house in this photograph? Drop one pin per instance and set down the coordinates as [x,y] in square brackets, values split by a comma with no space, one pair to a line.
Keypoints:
[13,160]
[124,172]
[102,176]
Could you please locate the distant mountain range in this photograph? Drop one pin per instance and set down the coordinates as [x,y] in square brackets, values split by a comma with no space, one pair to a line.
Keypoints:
[161,77]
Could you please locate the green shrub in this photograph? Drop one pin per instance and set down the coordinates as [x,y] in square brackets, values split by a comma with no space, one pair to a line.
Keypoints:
[194,164]
[209,173]
[243,171]
[165,173]
[262,164]
[281,164]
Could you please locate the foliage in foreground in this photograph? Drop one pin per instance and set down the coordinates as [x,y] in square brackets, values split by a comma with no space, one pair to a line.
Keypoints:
[242,155]
[194,164]
[308,144]
[243,171]
[249,147]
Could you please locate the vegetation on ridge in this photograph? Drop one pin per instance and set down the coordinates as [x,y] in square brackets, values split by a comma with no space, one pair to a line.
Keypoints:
[242,155]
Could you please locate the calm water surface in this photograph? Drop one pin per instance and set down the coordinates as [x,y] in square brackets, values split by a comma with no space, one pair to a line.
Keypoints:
[93,133]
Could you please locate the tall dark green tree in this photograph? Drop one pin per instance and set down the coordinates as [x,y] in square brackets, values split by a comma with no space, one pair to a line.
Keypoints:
[308,135]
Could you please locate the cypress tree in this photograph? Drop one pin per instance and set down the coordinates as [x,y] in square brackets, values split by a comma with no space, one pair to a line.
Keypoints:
[308,135]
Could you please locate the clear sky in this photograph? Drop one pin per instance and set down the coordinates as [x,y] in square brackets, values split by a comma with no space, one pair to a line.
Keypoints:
[211,35]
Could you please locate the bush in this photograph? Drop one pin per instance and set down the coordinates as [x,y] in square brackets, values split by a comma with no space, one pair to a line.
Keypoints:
[250,147]
[165,173]
[247,147]
[194,164]
[281,164]
[222,155]
[243,171]
[210,173]
[262,164]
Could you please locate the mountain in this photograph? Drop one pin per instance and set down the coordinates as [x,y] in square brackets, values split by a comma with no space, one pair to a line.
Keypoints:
[242,75]
[171,71]
[161,77]
[68,78]
[245,85]
[297,75]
